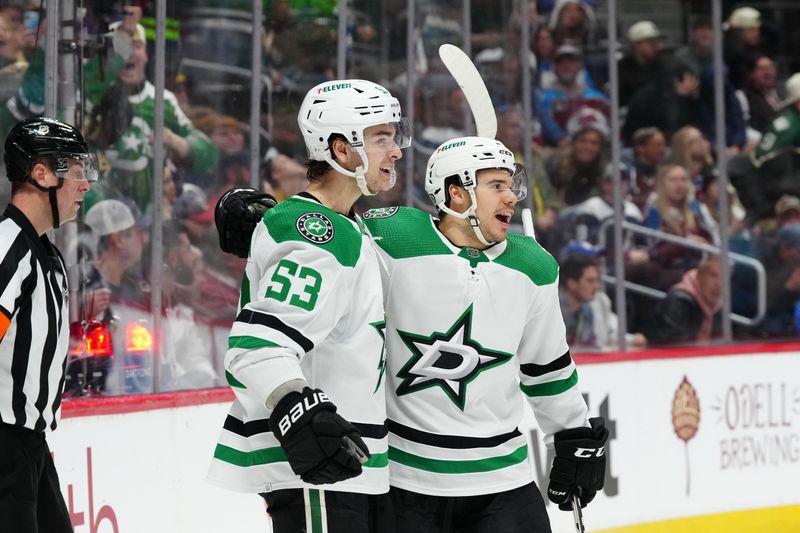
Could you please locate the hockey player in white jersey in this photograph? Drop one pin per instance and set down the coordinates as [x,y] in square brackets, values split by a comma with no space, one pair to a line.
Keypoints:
[473,327]
[305,353]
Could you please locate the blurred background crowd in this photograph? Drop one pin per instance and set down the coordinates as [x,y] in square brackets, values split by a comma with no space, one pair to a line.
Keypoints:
[546,65]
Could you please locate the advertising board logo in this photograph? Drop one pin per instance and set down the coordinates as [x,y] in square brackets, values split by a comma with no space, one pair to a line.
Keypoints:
[757,422]
[686,418]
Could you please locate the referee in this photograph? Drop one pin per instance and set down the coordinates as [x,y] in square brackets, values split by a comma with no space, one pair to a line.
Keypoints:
[50,168]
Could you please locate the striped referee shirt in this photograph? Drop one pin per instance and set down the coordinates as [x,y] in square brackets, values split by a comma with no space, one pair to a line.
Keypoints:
[34,325]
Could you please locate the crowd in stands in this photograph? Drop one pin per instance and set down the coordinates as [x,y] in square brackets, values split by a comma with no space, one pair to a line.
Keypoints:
[668,178]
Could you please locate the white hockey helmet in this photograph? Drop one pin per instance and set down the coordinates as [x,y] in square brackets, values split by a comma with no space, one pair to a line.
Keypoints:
[463,157]
[347,108]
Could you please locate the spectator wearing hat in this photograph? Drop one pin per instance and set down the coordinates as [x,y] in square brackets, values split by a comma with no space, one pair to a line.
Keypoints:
[649,150]
[572,21]
[787,210]
[644,62]
[575,167]
[567,96]
[120,245]
[194,214]
[742,42]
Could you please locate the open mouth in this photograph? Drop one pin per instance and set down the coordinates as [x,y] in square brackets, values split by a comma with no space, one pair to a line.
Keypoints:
[504,218]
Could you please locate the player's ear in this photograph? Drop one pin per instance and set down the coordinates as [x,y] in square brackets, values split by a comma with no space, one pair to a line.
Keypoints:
[458,196]
[340,150]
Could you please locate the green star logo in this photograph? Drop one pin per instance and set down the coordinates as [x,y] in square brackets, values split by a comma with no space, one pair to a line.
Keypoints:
[380,212]
[315,227]
[448,360]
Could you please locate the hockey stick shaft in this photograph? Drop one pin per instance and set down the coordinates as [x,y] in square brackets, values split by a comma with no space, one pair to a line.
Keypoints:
[577,515]
[527,223]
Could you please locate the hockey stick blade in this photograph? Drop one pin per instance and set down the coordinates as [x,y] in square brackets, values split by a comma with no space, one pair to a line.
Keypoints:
[466,75]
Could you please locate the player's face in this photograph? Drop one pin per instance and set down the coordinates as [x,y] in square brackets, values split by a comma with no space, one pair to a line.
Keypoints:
[383,151]
[70,195]
[496,200]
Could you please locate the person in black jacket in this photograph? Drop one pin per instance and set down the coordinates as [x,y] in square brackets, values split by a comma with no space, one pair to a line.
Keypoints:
[691,310]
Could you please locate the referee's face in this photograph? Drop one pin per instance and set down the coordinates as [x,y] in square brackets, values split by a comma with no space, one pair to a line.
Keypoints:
[70,195]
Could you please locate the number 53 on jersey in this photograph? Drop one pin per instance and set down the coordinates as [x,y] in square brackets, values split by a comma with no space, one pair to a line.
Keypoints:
[300,284]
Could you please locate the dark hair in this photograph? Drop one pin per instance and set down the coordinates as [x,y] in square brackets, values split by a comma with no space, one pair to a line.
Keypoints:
[317,169]
[643,135]
[573,266]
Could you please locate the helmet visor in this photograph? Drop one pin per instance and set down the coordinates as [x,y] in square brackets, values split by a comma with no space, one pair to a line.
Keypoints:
[80,167]
[387,137]
[519,181]
[518,186]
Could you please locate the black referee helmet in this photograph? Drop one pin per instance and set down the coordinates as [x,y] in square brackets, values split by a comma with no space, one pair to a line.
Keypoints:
[46,140]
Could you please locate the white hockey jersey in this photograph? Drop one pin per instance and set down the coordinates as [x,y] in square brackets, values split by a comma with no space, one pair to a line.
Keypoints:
[468,332]
[311,307]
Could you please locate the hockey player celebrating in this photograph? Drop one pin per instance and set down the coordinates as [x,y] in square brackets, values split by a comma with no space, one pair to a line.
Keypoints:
[473,327]
[305,353]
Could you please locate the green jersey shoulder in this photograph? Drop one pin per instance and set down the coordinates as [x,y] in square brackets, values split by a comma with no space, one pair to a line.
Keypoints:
[527,256]
[296,219]
[404,232]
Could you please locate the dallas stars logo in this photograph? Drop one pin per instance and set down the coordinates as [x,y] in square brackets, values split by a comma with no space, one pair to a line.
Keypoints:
[315,227]
[448,360]
[380,212]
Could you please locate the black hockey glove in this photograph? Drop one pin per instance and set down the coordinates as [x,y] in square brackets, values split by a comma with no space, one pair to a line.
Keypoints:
[236,215]
[579,467]
[321,446]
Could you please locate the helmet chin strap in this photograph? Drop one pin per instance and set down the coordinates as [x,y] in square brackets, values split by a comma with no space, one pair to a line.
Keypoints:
[470,215]
[360,173]
[54,206]
[52,197]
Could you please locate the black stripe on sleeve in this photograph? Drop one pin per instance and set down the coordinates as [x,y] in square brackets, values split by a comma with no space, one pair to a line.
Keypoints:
[449,441]
[22,345]
[254,427]
[534,370]
[251,317]
[372,431]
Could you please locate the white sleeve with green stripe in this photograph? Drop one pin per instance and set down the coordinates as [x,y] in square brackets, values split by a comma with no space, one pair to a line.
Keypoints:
[292,296]
[548,376]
